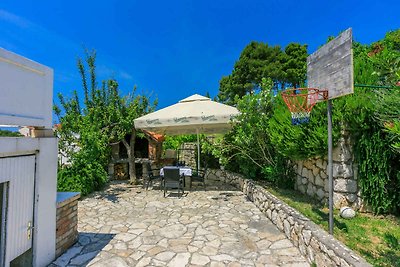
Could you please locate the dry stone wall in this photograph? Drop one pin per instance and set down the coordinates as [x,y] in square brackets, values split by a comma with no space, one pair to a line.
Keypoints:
[312,176]
[314,243]
[187,153]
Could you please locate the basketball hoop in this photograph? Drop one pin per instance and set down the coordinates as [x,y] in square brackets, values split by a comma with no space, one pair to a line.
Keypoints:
[300,102]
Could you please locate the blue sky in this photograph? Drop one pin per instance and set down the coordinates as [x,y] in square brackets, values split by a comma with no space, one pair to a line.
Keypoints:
[173,49]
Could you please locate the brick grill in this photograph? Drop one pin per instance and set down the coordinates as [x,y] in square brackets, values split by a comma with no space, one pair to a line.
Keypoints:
[67,222]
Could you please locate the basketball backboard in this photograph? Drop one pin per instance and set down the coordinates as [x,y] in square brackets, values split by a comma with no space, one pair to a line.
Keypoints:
[331,66]
[26,91]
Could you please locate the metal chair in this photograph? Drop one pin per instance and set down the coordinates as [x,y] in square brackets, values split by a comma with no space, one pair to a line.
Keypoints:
[150,175]
[172,179]
[199,177]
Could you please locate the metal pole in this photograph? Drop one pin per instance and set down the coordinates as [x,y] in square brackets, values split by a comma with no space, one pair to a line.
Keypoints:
[198,151]
[330,167]
[377,86]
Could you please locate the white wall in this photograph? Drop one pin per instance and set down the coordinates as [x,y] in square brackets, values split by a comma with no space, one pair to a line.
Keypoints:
[26,91]
[44,243]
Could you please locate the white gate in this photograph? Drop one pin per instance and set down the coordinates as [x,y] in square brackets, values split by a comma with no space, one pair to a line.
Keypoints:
[19,175]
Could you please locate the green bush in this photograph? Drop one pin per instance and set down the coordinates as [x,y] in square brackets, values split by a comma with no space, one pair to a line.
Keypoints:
[371,115]
[84,176]
[91,124]
[378,171]
[378,163]
[305,140]
[263,138]
[7,133]
[174,142]
[248,148]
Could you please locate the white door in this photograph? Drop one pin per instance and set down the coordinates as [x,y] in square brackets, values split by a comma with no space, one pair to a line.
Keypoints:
[19,175]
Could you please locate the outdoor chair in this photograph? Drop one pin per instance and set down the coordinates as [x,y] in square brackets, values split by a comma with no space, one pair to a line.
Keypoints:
[172,180]
[199,178]
[151,176]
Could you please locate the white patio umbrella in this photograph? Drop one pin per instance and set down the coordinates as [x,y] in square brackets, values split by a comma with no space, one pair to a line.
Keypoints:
[193,115]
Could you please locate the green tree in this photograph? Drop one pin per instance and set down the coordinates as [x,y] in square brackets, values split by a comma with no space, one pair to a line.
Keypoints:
[87,130]
[125,110]
[258,61]
[248,148]
[295,66]
[7,133]
[175,142]
[372,116]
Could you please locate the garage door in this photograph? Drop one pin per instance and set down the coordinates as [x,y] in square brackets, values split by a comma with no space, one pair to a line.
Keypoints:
[17,176]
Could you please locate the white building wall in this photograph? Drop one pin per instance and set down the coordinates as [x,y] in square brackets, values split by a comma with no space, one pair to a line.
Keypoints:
[44,245]
[26,91]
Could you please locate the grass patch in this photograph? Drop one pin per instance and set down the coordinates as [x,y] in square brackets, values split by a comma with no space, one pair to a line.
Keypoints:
[376,238]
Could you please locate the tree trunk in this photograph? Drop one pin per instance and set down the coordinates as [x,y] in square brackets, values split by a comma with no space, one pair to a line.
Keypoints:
[130,149]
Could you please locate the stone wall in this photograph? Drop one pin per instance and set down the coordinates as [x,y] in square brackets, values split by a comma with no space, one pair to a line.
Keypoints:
[188,154]
[67,221]
[119,170]
[218,176]
[314,243]
[312,178]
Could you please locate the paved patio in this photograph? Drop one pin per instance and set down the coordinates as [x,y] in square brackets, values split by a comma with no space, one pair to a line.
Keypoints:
[129,226]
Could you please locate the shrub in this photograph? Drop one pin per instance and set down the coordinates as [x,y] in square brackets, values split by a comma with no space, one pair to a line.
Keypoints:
[84,176]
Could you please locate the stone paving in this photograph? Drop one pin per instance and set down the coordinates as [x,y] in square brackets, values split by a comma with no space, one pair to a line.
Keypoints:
[128,226]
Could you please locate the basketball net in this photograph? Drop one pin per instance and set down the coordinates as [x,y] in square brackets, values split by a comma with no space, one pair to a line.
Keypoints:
[300,102]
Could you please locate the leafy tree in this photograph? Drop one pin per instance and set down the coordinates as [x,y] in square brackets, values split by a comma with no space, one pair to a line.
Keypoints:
[87,131]
[174,142]
[371,116]
[7,133]
[295,67]
[259,60]
[248,148]
[128,109]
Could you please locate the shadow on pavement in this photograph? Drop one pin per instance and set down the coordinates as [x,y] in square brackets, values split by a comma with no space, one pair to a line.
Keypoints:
[85,250]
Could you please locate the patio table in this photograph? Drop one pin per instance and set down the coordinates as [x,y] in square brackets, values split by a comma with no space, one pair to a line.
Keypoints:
[183,170]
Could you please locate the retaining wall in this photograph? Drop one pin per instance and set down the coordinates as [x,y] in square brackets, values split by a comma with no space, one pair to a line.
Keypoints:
[312,178]
[314,243]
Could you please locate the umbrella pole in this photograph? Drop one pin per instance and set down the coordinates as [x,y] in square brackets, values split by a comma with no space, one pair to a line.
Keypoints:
[198,151]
